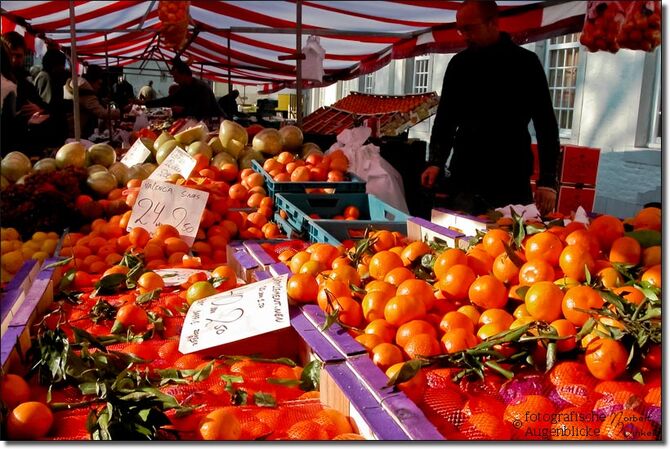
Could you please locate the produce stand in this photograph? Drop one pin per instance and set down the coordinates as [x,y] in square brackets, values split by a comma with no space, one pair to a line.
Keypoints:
[458,328]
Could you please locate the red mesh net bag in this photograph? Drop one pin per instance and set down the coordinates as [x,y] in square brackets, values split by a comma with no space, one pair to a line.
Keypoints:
[174,22]
[642,28]
[567,403]
[602,24]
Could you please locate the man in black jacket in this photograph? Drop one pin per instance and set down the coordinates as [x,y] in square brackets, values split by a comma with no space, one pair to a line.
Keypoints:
[491,91]
[194,98]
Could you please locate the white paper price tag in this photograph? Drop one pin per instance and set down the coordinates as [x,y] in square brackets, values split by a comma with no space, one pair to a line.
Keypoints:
[178,161]
[164,203]
[137,154]
[177,276]
[234,315]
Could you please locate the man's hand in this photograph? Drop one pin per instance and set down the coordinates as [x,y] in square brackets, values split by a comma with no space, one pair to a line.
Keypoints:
[177,109]
[29,109]
[429,176]
[545,199]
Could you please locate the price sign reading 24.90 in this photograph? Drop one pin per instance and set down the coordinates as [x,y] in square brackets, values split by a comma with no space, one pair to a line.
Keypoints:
[164,203]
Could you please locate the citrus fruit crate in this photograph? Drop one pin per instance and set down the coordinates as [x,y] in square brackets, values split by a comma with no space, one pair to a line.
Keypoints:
[341,387]
[14,293]
[336,232]
[354,185]
[299,207]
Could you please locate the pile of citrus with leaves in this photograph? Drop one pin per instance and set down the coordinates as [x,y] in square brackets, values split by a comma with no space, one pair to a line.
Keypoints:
[105,365]
[15,252]
[451,328]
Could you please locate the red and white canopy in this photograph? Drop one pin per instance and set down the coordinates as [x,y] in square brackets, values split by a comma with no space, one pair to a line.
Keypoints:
[359,36]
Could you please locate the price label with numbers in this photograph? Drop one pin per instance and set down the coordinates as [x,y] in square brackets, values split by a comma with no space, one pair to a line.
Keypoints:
[164,203]
[137,154]
[234,315]
[178,161]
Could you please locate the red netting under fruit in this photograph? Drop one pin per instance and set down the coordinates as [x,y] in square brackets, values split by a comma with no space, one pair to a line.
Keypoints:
[275,249]
[296,414]
[566,404]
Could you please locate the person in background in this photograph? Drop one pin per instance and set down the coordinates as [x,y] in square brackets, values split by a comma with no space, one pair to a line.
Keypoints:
[174,87]
[8,103]
[194,98]
[122,92]
[491,91]
[90,108]
[28,131]
[228,103]
[50,80]
[32,73]
[147,92]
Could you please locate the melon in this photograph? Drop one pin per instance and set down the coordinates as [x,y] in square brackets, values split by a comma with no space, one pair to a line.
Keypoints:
[268,141]
[15,165]
[199,148]
[160,140]
[95,169]
[137,171]
[165,150]
[4,183]
[216,145]
[291,137]
[308,148]
[46,165]
[191,135]
[101,182]
[233,137]
[71,155]
[149,168]
[250,155]
[120,172]
[223,158]
[101,154]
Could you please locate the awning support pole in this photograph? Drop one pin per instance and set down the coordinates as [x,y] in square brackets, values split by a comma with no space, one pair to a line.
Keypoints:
[230,82]
[75,81]
[298,61]
[107,86]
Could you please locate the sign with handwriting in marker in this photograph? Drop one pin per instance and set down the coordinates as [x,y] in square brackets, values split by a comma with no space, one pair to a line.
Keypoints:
[178,161]
[237,314]
[164,203]
[136,154]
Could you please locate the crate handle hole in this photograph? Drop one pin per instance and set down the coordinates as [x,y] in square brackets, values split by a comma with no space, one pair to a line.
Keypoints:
[390,216]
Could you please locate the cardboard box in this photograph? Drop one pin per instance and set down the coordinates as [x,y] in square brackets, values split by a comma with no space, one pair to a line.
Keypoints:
[459,222]
[571,197]
[579,165]
[425,231]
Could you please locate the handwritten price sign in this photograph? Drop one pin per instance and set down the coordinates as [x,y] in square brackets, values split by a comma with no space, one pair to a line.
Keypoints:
[164,203]
[234,315]
[179,161]
[137,154]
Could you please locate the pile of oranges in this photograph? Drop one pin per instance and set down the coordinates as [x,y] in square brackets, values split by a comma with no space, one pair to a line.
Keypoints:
[15,252]
[476,294]
[287,167]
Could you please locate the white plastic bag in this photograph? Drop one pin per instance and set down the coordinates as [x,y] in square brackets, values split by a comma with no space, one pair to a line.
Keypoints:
[312,66]
[141,121]
[382,180]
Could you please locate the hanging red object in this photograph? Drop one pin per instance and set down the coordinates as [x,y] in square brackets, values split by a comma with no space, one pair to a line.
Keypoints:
[642,28]
[174,22]
[602,24]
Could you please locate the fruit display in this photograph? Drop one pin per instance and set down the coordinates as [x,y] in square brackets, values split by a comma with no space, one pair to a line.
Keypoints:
[469,335]
[395,114]
[15,251]
[120,375]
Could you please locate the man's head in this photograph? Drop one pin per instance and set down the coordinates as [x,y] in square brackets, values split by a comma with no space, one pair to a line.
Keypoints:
[53,61]
[151,83]
[477,22]
[95,77]
[236,93]
[181,72]
[16,45]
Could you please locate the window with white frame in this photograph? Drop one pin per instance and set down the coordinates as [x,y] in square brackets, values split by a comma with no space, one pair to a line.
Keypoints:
[562,59]
[421,79]
[369,83]
[656,124]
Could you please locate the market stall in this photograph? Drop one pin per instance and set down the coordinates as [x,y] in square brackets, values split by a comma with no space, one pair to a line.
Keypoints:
[220,282]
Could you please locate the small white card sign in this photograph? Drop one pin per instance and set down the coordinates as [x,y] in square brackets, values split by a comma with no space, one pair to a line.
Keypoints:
[178,161]
[136,154]
[177,276]
[164,203]
[237,314]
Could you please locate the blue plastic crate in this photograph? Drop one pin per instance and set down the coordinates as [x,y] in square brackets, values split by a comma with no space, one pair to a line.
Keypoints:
[337,231]
[299,207]
[354,185]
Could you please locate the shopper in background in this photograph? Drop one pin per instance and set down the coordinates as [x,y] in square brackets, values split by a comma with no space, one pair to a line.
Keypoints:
[122,92]
[194,98]
[8,103]
[90,108]
[228,103]
[49,83]
[147,92]
[491,91]
[30,132]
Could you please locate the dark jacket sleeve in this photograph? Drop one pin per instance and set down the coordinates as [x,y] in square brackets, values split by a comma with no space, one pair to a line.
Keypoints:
[444,126]
[161,102]
[546,127]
